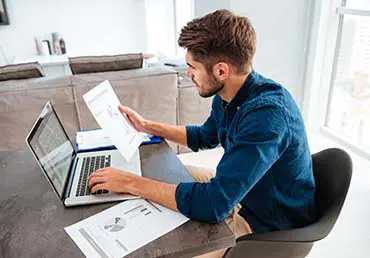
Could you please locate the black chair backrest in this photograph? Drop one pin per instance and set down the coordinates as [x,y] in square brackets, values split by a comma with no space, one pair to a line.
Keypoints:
[332,171]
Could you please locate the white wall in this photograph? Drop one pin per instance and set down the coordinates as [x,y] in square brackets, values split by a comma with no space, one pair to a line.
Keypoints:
[203,7]
[160,29]
[89,27]
[282,29]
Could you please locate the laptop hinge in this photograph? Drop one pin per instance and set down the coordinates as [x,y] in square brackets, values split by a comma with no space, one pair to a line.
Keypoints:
[70,179]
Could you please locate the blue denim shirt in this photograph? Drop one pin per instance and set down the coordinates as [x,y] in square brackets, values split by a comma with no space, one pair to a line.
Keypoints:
[266,166]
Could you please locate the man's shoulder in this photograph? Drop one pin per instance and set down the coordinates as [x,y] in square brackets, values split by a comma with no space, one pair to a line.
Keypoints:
[269,94]
[266,100]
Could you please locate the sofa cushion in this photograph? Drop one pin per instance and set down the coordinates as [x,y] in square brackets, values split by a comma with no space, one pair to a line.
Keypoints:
[21,71]
[20,108]
[94,64]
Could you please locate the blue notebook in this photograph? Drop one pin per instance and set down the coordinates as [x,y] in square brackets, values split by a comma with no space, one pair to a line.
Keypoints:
[94,140]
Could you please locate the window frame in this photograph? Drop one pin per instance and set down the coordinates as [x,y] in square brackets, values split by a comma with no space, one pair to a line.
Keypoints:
[325,40]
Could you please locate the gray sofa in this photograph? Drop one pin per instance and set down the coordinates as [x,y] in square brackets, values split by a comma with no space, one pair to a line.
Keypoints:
[156,93]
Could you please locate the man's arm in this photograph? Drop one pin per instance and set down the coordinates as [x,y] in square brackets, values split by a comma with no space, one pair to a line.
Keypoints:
[173,133]
[118,181]
[195,137]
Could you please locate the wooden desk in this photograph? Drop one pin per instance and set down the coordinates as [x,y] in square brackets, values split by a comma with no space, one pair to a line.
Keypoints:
[32,219]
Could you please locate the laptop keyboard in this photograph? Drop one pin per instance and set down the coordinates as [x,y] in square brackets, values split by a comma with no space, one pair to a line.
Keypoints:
[90,165]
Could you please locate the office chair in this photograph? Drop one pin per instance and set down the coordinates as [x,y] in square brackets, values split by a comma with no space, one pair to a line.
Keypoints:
[332,170]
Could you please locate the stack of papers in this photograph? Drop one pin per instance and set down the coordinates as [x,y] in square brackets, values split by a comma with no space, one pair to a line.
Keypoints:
[103,104]
[95,139]
[92,140]
[124,228]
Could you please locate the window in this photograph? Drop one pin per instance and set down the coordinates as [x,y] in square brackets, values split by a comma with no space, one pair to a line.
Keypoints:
[348,109]
[164,20]
[184,12]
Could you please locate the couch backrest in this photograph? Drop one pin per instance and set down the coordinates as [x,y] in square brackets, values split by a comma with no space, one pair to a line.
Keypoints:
[21,102]
[93,64]
[151,91]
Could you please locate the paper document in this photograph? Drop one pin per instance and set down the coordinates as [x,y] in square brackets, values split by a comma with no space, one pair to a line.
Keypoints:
[122,229]
[95,138]
[103,104]
[92,139]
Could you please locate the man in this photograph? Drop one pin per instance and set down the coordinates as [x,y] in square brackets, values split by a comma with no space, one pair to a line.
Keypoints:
[266,166]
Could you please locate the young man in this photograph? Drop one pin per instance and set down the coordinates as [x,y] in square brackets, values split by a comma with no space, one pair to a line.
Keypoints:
[266,167]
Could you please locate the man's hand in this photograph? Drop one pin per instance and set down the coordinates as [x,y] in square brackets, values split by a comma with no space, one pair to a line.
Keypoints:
[118,181]
[110,179]
[137,120]
[173,133]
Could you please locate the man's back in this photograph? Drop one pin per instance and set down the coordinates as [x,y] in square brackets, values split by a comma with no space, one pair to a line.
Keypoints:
[267,163]
[284,196]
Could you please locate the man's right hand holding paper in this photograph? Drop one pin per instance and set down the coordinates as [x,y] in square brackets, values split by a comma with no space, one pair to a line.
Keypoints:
[172,133]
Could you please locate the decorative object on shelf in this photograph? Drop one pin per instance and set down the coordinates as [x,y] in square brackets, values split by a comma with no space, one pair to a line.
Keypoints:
[37,46]
[46,48]
[62,45]
[55,43]
[50,44]
[57,49]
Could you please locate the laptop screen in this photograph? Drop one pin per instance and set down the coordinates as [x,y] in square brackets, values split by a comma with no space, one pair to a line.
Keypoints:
[52,147]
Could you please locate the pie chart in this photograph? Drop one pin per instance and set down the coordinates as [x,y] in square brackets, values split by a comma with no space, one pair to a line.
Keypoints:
[115,225]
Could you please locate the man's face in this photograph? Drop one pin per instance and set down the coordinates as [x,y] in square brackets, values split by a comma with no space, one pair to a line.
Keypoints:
[207,84]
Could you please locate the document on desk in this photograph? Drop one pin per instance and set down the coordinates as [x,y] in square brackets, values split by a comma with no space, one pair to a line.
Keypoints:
[123,228]
[95,139]
[103,104]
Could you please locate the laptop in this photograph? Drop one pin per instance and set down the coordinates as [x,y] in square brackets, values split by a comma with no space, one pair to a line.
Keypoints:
[67,171]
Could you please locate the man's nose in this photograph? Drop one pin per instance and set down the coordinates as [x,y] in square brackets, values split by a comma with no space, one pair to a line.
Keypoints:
[188,74]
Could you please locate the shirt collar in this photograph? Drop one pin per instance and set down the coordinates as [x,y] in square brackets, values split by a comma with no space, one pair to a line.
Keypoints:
[244,91]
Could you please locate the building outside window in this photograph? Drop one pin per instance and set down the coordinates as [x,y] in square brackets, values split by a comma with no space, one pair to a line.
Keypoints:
[348,105]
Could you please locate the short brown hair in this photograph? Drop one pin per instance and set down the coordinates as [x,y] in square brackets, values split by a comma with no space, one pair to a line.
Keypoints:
[220,36]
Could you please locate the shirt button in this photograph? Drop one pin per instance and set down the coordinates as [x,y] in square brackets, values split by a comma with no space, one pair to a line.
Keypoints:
[237,108]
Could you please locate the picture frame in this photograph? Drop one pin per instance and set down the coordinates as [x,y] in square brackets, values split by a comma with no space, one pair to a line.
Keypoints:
[4,17]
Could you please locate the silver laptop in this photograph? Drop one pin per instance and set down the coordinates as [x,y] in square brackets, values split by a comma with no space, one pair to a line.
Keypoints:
[68,172]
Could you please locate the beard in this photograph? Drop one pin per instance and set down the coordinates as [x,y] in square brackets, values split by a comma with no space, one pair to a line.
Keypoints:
[216,86]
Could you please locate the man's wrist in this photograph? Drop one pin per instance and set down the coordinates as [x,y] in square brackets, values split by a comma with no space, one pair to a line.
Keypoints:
[150,127]
[133,187]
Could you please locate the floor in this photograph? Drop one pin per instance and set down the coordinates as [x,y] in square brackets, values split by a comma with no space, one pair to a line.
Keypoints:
[350,236]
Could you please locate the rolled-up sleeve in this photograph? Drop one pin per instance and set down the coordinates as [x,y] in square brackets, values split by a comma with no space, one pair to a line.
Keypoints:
[262,138]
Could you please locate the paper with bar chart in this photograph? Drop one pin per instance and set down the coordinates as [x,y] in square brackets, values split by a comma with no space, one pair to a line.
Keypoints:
[103,103]
[123,228]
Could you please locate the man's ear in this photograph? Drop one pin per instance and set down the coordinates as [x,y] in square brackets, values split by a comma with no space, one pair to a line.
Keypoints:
[221,71]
